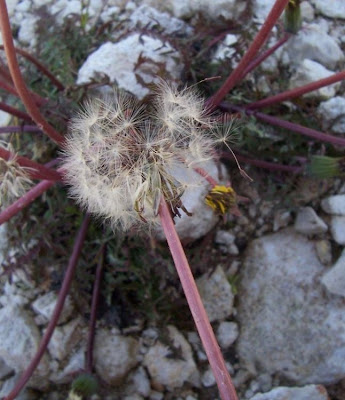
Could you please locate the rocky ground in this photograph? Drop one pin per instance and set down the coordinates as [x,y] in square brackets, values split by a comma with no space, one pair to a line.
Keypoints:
[276,284]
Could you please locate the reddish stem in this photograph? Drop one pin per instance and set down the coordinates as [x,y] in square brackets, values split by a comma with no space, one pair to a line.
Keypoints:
[16,113]
[10,89]
[291,94]
[35,170]
[94,308]
[79,241]
[18,79]
[226,388]
[324,137]
[39,66]
[264,164]
[19,129]
[262,57]
[25,200]
[260,38]
[206,175]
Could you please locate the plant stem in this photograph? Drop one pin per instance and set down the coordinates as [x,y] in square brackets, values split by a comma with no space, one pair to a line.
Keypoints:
[34,169]
[25,200]
[39,66]
[260,38]
[217,363]
[16,113]
[79,241]
[264,164]
[94,307]
[262,57]
[19,129]
[291,94]
[324,137]
[18,79]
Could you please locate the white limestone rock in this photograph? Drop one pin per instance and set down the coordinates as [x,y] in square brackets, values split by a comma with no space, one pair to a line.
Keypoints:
[225,48]
[216,9]
[167,370]
[216,293]
[310,71]
[44,306]
[309,223]
[64,339]
[332,113]
[19,340]
[334,279]
[334,205]
[114,355]
[119,60]
[138,383]
[147,16]
[307,11]
[262,8]
[76,362]
[309,392]
[338,228]
[203,218]
[330,8]
[227,333]
[289,326]
[314,44]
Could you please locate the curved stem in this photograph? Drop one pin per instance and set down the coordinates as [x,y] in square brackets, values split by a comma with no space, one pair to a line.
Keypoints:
[260,38]
[79,241]
[39,66]
[226,388]
[18,79]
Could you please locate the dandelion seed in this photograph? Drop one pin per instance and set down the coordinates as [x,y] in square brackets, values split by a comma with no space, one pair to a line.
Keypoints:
[14,179]
[120,156]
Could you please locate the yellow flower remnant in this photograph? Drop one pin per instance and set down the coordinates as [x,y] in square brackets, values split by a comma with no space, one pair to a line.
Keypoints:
[221,199]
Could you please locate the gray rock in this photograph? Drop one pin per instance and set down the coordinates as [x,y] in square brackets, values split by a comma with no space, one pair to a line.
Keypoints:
[309,71]
[334,279]
[138,383]
[289,326]
[332,9]
[149,16]
[230,9]
[64,339]
[307,11]
[226,240]
[75,363]
[45,304]
[119,60]
[332,113]
[309,223]
[314,44]
[216,294]
[5,370]
[227,333]
[19,340]
[334,205]
[309,392]
[167,370]
[114,355]
[261,8]
[8,385]
[338,228]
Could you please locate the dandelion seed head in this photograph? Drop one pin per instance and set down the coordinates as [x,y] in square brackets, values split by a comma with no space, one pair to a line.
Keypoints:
[120,156]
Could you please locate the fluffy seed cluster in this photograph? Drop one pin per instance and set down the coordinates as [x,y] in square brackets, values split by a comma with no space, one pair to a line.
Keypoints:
[14,179]
[120,156]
